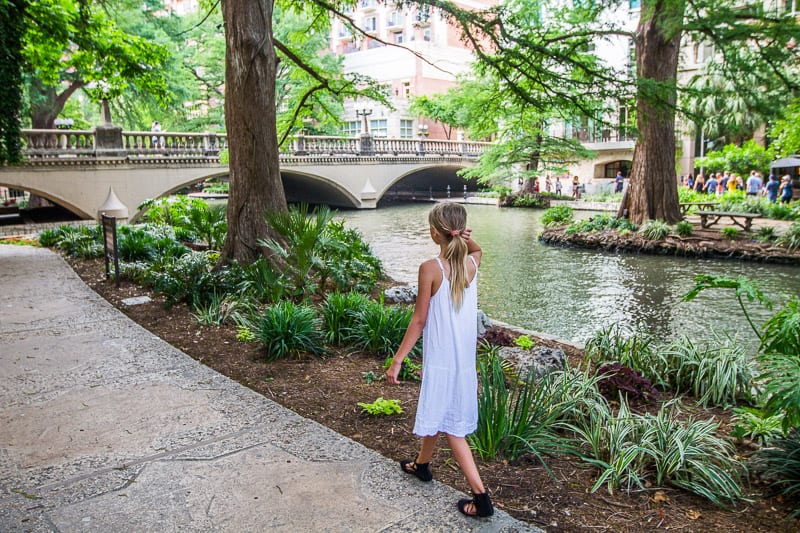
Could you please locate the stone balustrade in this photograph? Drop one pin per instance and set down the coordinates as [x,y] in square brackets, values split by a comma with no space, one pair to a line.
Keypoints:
[85,144]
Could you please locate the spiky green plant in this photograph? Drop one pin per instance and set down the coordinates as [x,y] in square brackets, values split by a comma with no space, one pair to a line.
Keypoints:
[790,239]
[684,228]
[340,313]
[779,465]
[557,216]
[286,329]
[757,425]
[765,234]
[380,328]
[655,230]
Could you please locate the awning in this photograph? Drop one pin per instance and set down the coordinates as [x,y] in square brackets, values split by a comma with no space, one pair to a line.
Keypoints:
[786,162]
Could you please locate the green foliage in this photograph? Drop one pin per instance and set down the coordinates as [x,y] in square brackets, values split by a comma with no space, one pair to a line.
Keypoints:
[738,159]
[684,228]
[225,308]
[636,350]
[790,239]
[779,465]
[743,287]
[381,407]
[78,241]
[380,329]
[525,200]
[286,329]
[765,234]
[517,417]
[348,260]
[340,313]
[261,281]
[370,376]
[600,223]
[189,278]
[781,378]
[730,232]
[13,24]
[654,230]
[524,342]
[781,333]
[244,334]
[409,370]
[632,451]
[557,216]
[757,425]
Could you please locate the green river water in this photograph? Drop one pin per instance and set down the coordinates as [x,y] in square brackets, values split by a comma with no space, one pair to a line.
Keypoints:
[572,293]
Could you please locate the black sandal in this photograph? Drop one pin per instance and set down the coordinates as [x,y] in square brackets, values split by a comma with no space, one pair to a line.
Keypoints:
[480,502]
[421,470]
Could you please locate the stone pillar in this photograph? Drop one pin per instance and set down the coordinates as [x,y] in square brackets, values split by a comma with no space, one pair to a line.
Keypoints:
[113,207]
[366,147]
[108,137]
[211,148]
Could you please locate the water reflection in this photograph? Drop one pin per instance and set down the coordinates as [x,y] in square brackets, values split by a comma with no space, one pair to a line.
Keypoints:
[572,293]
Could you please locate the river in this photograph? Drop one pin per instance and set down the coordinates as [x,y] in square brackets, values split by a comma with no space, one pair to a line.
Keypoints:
[572,293]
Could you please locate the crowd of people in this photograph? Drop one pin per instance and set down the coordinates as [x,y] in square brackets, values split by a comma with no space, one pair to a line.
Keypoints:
[718,183]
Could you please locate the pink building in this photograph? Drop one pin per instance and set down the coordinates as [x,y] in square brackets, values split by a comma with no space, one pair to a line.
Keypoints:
[414,52]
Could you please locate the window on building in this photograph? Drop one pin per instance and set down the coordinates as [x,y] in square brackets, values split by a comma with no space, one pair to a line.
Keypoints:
[366,3]
[372,43]
[423,14]
[379,127]
[634,4]
[398,38]
[406,89]
[395,19]
[350,47]
[351,128]
[426,34]
[611,169]
[370,23]
[406,129]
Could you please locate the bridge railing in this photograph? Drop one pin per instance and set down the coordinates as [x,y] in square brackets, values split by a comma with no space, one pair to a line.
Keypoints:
[84,144]
[57,143]
[175,144]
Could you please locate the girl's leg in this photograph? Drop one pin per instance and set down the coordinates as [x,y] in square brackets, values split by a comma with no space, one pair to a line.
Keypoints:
[465,460]
[427,445]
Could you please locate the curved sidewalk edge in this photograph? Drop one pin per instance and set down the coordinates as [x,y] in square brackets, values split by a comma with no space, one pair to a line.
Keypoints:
[105,427]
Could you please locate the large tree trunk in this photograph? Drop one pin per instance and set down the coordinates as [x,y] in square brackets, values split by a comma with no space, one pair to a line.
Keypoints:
[255,179]
[47,103]
[653,192]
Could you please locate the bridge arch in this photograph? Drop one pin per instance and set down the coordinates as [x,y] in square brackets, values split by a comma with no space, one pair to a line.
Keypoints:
[312,188]
[432,177]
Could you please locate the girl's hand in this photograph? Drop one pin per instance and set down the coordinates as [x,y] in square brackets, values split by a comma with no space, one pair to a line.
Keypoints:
[465,233]
[392,372]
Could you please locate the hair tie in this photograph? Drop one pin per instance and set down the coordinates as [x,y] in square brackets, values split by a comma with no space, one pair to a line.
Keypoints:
[455,232]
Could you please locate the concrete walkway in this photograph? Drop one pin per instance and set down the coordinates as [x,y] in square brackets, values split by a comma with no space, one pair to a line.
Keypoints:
[104,427]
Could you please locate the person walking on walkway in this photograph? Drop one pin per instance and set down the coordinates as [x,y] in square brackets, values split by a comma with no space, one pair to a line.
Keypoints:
[445,315]
[786,189]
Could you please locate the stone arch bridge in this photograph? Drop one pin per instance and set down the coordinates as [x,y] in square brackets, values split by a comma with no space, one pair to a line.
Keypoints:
[76,169]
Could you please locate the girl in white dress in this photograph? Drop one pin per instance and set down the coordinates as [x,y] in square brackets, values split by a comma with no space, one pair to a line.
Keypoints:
[446,316]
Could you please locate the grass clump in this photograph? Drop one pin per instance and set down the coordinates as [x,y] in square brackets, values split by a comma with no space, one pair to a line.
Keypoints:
[286,329]
[654,230]
[683,228]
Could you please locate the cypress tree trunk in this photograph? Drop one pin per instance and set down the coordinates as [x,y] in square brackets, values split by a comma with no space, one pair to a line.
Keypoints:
[653,192]
[255,180]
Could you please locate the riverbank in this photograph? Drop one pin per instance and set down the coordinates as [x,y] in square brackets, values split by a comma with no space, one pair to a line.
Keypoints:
[702,243]
[327,390]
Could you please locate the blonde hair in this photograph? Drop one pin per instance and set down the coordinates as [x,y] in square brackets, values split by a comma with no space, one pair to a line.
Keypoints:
[449,220]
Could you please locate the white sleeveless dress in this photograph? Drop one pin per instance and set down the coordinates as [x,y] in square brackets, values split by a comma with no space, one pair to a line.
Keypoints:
[448,400]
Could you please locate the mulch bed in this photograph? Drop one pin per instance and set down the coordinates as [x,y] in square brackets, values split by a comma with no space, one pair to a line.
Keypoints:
[327,390]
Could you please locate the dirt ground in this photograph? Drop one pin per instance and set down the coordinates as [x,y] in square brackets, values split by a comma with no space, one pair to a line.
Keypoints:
[327,390]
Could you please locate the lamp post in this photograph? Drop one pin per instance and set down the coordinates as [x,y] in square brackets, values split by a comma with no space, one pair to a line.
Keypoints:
[364,112]
[365,138]
[422,132]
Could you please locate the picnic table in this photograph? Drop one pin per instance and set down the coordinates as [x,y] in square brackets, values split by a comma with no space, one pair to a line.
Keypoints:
[743,220]
[701,206]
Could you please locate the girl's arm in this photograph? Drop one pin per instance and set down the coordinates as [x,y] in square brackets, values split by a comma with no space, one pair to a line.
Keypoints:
[427,272]
[472,247]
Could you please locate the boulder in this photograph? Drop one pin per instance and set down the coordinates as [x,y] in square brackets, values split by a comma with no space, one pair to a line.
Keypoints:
[402,294]
[483,323]
[541,359]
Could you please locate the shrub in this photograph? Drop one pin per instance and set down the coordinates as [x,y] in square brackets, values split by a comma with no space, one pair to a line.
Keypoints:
[684,228]
[262,282]
[616,380]
[559,215]
[600,223]
[634,450]
[654,230]
[340,314]
[527,200]
[524,342]
[348,261]
[381,407]
[765,234]
[790,239]
[189,278]
[380,329]
[721,372]
[781,378]
[286,329]
[757,425]
[519,417]
[634,350]
[78,241]
[730,233]
[779,465]
[497,337]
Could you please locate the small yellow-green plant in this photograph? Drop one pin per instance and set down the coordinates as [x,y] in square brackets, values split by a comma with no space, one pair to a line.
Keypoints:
[245,334]
[381,407]
[409,370]
[524,342]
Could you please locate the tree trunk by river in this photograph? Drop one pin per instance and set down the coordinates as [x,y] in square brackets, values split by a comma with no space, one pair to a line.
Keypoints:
[255,179]
[653,192]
